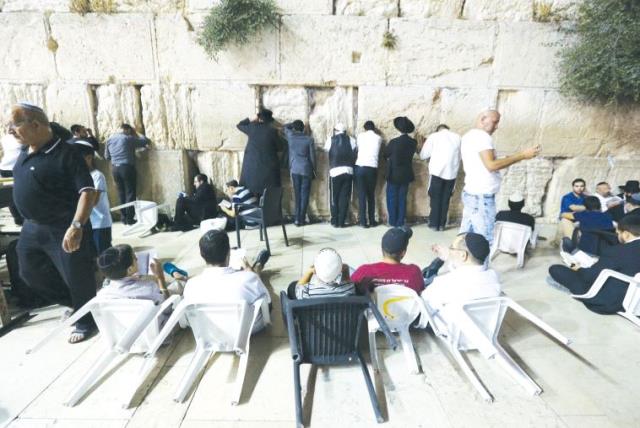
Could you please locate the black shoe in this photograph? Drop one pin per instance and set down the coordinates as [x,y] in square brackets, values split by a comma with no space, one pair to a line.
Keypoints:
[297,224]
[441,229]
[567,245]
[430,272]
[261,258]
[373,223]
[364,225]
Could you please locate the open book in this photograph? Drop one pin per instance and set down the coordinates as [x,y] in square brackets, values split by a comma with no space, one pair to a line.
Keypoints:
[225,204]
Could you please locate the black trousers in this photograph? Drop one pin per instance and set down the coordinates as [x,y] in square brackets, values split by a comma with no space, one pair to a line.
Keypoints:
[301,190]
[340,198]
[569,278]
[38,247]
[102,239]
[17,217]
[125,178]
[440,191]
[366,177]
[188,213]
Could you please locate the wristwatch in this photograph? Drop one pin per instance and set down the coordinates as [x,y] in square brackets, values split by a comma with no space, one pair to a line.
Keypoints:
[76,224]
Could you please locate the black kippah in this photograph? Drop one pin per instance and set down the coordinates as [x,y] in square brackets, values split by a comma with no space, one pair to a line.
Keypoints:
[108,258]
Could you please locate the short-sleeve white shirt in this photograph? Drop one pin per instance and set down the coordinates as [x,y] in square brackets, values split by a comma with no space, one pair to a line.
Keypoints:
[368,144]
[224,284]
[443,148]
[478,179]
[100,215]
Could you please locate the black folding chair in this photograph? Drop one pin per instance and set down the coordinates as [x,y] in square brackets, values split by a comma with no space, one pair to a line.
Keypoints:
[326,331]
[268,213]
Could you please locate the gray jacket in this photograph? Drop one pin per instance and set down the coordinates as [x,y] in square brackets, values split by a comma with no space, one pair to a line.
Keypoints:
[302,152]
[121,148]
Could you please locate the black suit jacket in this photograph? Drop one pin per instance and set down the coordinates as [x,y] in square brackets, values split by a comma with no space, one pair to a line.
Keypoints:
[399,154]
[261,165]
[623,258]
[204,198]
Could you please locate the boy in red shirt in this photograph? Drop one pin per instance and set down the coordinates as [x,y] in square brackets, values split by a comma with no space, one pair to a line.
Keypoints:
[390,270]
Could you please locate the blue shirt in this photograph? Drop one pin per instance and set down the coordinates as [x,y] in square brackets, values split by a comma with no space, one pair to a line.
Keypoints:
[570,199]
[100,215]
[121,148]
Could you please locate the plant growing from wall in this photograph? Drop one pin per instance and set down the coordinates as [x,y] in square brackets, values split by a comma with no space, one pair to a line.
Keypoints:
[389,40]
[235,23]
[603,66]
[543,11]
[88,6]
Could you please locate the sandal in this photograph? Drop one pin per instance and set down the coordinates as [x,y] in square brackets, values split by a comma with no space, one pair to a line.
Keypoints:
[78,336]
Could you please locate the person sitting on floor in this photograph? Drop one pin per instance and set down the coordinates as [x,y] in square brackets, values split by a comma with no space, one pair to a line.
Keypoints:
[468,277]
[120,266]
[591,220]
[219,282]
[608,200]
[328,277]
[572,202]
[621,258]
[191,210]
[514,214]
[243,203]
[391,270]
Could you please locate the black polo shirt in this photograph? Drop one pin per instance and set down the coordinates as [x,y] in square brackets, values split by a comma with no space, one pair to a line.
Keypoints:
[48,183]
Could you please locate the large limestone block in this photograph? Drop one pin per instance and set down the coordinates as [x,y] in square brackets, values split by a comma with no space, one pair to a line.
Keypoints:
[431,8]
[11,94]
[383,103]
[352,52]
[35,5]
[305,7]
[162,174]
[626,132]
[23,48]
[168,116]
[441,52]
[69,103]
[117,104]
[155,6]
[218,108]
[503,10]
[527,55]
[386,8]
[520,119]
[529,178]
[459,107]
[570,129]
[220,167]
[286,103]
[329,107]
[565,9]
[181,59]
[101,48]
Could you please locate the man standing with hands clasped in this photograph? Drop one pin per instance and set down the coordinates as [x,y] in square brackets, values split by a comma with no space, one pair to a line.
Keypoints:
[482,177]
[54,192]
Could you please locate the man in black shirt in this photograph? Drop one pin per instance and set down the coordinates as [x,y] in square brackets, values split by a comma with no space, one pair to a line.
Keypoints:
[54,192]
[515,214]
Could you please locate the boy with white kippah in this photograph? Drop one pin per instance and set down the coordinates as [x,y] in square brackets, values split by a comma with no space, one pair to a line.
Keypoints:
[328,277]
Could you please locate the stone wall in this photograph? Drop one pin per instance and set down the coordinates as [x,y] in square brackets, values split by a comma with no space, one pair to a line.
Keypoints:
[325,63]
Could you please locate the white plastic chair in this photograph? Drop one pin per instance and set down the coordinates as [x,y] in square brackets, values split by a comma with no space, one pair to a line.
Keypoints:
[146,216]
[631,302]
[475,325]
[126,326]
[217,327]
[512,238]
[400,306]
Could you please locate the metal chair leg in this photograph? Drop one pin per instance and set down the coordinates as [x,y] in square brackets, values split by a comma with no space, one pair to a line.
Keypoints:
[297,392]
[371,390]
[284,232]
[238,230]
[266,239]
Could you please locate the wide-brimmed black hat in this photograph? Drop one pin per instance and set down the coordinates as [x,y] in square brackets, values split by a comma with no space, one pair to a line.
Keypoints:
[403,124]
[631,186]
[265,115]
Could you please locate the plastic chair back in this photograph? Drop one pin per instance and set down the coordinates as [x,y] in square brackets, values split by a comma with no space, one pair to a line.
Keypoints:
[271,205]
[631,302]
[146,213]
[511,237]
[399,305]
[115,316]
[221,327]
[487,316]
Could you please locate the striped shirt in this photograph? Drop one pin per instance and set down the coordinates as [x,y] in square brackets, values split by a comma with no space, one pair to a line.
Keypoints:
[316,288]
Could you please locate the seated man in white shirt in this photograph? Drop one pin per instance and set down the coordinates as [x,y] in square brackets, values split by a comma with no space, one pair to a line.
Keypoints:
[467,279]
[220,283]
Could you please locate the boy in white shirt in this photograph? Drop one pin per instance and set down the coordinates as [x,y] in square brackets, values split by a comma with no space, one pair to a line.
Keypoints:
[366,173]
[220,283]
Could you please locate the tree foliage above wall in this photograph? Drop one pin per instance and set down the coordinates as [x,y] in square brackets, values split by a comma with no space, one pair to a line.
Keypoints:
[603,66]
[236,22]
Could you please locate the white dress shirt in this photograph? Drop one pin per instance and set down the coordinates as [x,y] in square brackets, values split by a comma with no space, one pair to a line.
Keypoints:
[339,170]
[443,147]
[368,144]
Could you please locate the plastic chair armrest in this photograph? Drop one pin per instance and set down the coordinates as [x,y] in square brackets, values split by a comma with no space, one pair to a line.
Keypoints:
[600,281]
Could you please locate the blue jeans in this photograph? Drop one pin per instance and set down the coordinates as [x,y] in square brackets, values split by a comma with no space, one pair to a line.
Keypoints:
[397,203]
[478,214]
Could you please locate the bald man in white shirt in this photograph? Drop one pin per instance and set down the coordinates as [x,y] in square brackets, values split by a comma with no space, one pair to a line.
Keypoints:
[443,149]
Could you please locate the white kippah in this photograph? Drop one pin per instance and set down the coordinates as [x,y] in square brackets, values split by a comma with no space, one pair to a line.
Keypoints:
[516,197]
[328,265]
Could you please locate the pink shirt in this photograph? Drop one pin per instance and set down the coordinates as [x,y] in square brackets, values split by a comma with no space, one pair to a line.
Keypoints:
[387,273]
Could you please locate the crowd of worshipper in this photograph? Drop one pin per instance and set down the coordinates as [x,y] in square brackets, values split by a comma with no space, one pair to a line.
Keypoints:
[60,200]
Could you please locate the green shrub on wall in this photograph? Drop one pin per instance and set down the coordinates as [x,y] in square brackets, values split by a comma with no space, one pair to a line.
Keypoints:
[603,66]
[236,22]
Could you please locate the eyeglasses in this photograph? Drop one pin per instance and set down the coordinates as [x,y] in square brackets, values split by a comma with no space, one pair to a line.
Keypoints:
[14,125]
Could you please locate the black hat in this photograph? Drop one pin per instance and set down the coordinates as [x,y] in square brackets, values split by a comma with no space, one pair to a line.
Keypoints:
[265,115]
[395,240]
[478,246]
[403,124]
[631,186]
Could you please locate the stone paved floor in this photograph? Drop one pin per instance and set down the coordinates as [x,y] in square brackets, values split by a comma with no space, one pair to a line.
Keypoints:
[594,385]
